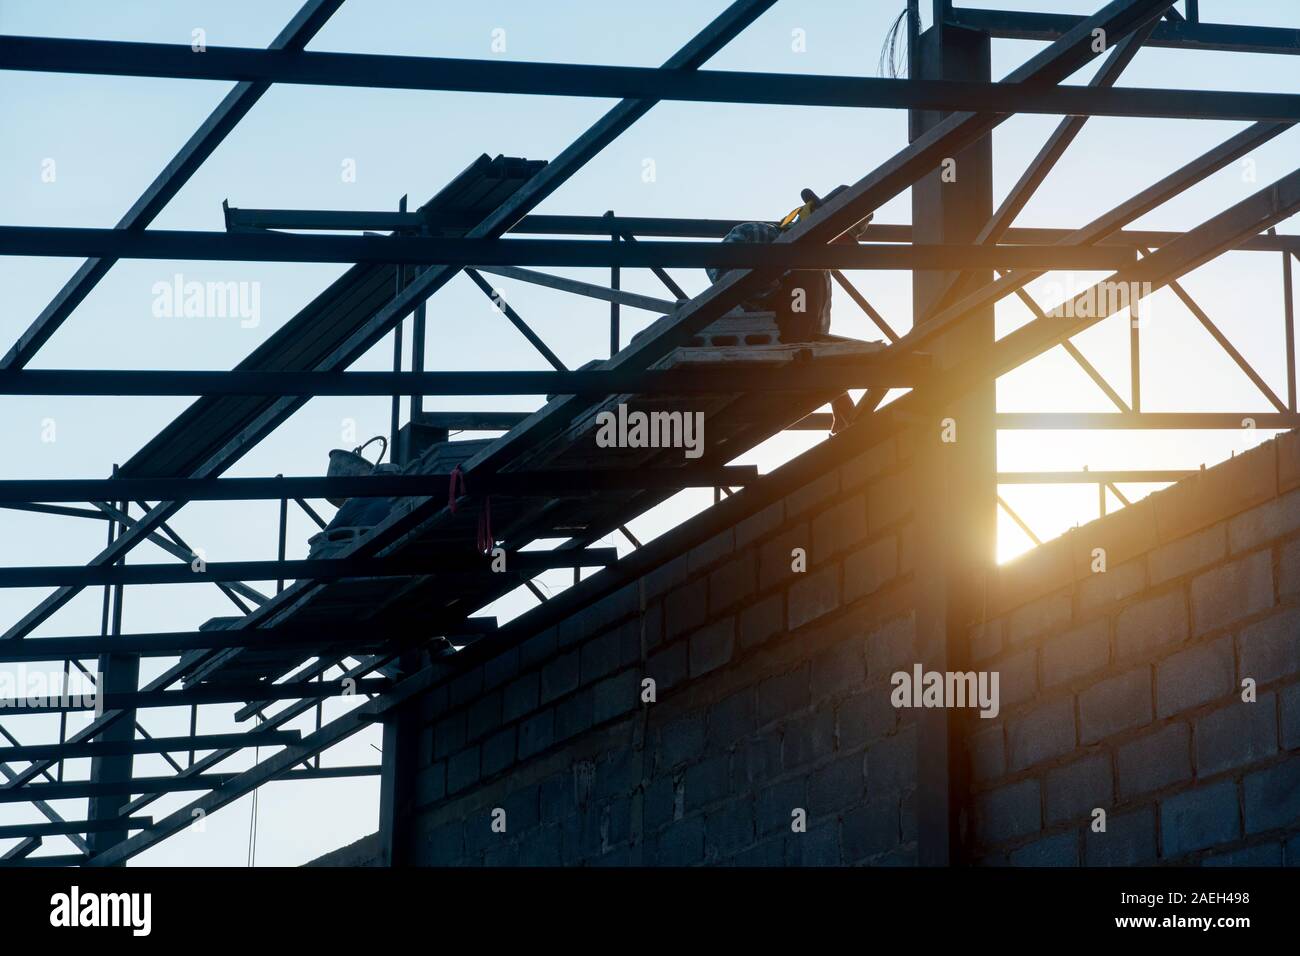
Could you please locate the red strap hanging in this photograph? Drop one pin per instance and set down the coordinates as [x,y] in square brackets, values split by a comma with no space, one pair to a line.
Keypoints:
[485,541]
[456,475]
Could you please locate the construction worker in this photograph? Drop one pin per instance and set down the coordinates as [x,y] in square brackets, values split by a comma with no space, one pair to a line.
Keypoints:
[800,298]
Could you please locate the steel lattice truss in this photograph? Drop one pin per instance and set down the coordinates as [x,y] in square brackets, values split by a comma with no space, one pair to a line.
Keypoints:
[484,222]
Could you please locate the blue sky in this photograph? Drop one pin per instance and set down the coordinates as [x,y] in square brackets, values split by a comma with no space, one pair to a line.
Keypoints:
[108,137]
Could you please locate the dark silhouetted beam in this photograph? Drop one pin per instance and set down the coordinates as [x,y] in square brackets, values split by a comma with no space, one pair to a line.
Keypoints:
[178,61]
[72,826]
[198,694]
[315,569]
[904,371]
[73,789]
[151,745]
[175,244]
[370,486]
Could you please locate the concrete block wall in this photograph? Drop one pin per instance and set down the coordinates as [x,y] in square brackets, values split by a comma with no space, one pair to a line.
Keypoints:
[772,703]
[1122,690]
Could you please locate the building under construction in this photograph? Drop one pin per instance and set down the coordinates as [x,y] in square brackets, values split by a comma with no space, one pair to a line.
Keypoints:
[770,682]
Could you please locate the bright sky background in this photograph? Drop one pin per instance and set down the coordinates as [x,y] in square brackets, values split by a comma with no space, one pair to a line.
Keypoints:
[109,137]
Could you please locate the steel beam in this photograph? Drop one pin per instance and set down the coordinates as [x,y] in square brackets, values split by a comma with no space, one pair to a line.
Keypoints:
[314,569]
[73,789]
[68,827]
[367,486]
[1105,421]
[177,61]
[196,694]
[178,244]
[816,375]
[152,745]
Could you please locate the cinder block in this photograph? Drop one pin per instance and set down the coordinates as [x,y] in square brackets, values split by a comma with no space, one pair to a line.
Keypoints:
[889,499]
[1288,572]
[1267,854]
[1059,850]
[876,460]
[1101,588]
[1045,732]
[841,668]
[484,716]
[732,583]
[1123,534]
[1008,812]
[869,569]
[814,594]
[819,846]
[686,607]
[1075,790]
[808,738]
[760,524]
[1039,617]
[707,782]
[540,847]
[498,751]
[668,667]
[1270,649]
[680,741]
[1033,574]
[775,556]
[1076,653]
[762,621]
[462,769]
[1128,840]
[1151,624]
[575,714]
[1264,523]
[1271,798]
[1289,702]
[601,656]
[1288,460]
[1154,761]
[681,844]
[891,646]
[891,763]
[871,830]
[1227,489]
[1195,676]
[731,719]
[839,784]
[466,687]
[560,676]
[712,646]
[431,784]
[777,803]
[1237,734]
[449,735]
[1017,677]
[711,551]
[783,695]
[811,494]
[501,668]
[540,647]
[520,697]
[986,640]
[1229,593]
[988,759]
[615,696]
[839,527]
[864,717]
[1197,819]
[1188,554]
[536,733]
[1115,705]
[729,829]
